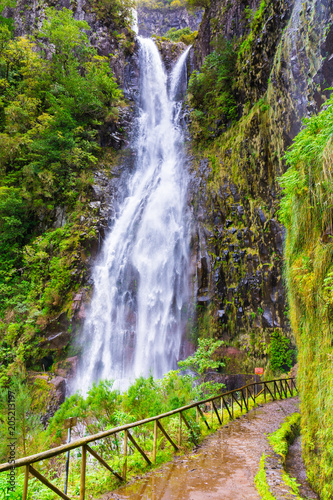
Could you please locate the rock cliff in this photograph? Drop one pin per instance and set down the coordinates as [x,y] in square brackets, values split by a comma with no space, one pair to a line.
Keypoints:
[284,67]
[159,21]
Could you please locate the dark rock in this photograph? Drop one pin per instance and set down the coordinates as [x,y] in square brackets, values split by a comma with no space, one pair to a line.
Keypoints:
[159,21]
[203,300]
[267,318]
[240,210]
[261,216]
[67,368]
[60,388]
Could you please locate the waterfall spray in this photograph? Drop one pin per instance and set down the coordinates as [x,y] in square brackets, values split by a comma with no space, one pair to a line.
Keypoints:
[138,311]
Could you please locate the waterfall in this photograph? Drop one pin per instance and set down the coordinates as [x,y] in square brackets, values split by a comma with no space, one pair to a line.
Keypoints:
[138,310]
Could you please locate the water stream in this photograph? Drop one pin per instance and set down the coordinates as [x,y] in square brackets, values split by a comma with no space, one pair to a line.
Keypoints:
[138,310]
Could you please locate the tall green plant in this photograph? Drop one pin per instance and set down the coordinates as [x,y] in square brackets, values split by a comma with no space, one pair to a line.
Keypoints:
[307,213]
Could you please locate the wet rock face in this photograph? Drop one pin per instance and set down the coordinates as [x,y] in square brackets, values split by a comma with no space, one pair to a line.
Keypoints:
[236,221]
[159,21]
[170,52]
[238,261]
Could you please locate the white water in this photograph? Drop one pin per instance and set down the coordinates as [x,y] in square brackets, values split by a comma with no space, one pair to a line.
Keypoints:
[138,310]
[135,26]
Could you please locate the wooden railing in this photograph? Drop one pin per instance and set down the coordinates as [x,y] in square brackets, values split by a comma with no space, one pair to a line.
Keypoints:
[240,397]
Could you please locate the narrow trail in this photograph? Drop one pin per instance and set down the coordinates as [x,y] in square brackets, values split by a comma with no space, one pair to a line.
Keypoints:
[222,467]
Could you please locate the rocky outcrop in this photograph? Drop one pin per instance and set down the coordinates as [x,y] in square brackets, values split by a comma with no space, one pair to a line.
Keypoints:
[159,21]
[170,51]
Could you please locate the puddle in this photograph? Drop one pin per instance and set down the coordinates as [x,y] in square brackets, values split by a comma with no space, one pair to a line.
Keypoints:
[296,468]
[223,467]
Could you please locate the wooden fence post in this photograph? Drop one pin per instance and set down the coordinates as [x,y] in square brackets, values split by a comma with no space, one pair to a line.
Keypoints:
[155,441]
[83,472]
[125,455]
[25,486]
[180,430]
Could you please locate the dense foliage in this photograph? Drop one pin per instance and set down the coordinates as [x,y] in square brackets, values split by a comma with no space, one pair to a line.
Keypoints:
[184,35]
[281,356]
[103,408]
[307,213]
[119,12]
[55,93]
[210,92]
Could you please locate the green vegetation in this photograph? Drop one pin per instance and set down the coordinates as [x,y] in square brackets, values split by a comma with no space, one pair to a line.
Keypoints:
[197,4]
[255,27]
[161,4]
[210,92]
[102,409]
[281,356]
[261,482]
[184,35]
[281,439]
[117,11]
[307,213]
[202,362]
[51,111]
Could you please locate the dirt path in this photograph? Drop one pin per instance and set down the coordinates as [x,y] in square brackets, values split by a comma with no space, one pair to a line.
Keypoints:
[223,467]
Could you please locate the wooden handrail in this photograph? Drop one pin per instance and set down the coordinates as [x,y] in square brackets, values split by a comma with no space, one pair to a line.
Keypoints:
[83,442]
[100,435]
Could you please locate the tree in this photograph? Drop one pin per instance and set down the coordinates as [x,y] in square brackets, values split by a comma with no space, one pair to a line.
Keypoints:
[201,363]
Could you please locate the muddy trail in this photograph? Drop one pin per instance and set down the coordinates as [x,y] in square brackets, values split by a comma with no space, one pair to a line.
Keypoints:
[222,467]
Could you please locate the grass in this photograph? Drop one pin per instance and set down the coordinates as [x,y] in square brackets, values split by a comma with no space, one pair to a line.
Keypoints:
[285,435]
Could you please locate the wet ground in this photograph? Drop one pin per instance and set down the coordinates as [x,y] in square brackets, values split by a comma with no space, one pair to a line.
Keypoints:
[223,467]
[296,468]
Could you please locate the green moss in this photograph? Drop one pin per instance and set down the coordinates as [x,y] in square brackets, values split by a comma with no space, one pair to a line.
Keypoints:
[261,482]
[285,435]
[184,35]
[255,27]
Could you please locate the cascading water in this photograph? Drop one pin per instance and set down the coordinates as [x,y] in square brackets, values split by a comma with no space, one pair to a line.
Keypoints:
[138,310]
